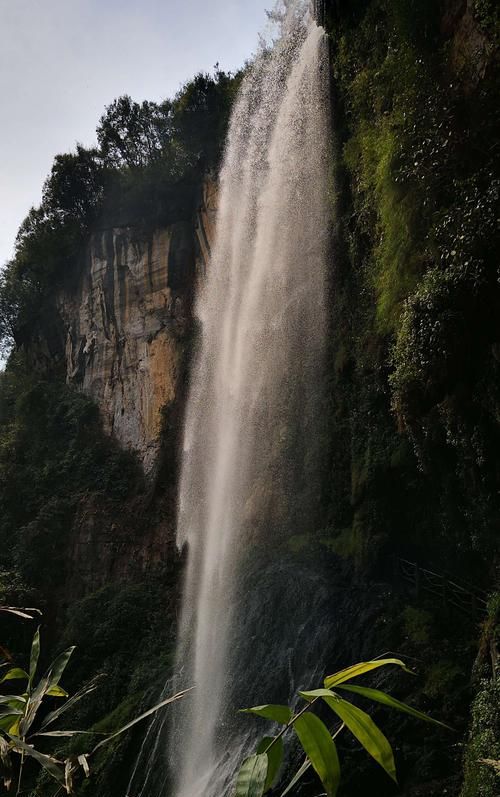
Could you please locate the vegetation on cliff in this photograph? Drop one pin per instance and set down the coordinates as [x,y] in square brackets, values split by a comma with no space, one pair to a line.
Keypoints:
[146,169]
[414,283]
[414,334]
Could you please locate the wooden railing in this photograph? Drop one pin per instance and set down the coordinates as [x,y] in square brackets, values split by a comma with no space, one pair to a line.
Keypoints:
[448,592]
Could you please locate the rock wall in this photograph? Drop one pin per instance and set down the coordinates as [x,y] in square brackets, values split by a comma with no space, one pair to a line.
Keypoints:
[127,318]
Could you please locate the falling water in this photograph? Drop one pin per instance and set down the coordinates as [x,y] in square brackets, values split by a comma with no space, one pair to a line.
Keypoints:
[249,462]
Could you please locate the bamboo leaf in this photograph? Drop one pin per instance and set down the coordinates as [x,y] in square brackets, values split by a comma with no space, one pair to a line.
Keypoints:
[35,653]
[10,719]
[11,712]
[58,666]
[20,612]
[391,702]
[361,726]
[56,691]
[66,733]
[274,751]
[54,715]
[33,704]
[251,780]
[148,713]
[305,766]
[52,765]
[320,748]
[82,760]
[280,714]
[360,669]
[13,701]
[10,723]
[15,674]
[49,681]
[68,776]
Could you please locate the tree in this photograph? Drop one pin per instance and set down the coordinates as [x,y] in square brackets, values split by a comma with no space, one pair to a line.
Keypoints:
[134,134]
[201,114]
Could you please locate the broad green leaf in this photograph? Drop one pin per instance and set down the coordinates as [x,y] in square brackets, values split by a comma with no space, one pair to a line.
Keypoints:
[56,691]
[305,766]
[14,701]
[361,726]
[9,720]
[360,669]
[280,714]
[274,751]
[35,653]
[52,765]
[54,715]
[141,717]
[10,712]
[320,748]
[391,702]
[251,780]
[58,666]
[33,704]
[49,681]
[10,723]
[15,674]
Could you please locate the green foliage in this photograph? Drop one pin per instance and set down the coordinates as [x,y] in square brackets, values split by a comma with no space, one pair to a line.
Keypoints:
[52,452]
[417,625]
[134,134]
[429,353]
[389,116]
[320,749]
[414,323]
[178,132]
[482,775]
[22,729]
[149,161]
[482,780]
[316,740]
[442,678]
[252,776]
[50,237]
[487,13]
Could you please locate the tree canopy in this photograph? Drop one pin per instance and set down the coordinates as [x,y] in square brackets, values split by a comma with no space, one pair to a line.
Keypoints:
[143,150]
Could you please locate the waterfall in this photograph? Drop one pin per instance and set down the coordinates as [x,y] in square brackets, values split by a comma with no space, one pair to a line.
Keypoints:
[249,475]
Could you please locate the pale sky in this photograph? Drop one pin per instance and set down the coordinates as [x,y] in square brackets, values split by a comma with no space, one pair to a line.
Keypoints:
[62,61]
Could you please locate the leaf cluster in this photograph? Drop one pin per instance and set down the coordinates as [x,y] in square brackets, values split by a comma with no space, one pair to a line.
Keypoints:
[24,724]
[260,771]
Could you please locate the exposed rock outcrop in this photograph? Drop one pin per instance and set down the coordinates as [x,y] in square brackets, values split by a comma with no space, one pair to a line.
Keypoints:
[127,319]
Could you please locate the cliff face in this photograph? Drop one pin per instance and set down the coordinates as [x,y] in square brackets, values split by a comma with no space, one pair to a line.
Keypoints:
[127,318]
[412,417]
